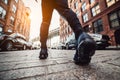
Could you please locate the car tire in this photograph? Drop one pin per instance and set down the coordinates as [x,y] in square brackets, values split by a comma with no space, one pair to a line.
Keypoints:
[67,47]
[8,46]
[24,47]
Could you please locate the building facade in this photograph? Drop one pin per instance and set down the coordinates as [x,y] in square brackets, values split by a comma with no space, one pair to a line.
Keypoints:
[53,38]
[97,16]
[65,31]
[14,17]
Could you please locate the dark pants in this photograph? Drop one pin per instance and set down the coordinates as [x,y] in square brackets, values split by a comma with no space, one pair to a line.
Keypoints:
[62,7]
[117,36]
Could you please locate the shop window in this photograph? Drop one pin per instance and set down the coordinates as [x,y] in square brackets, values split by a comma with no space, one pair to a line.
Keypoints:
[86,29]
[114,19]
[98,26]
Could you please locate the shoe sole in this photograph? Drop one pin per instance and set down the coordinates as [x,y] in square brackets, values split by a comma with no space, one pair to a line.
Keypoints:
[86,49]
[43,56]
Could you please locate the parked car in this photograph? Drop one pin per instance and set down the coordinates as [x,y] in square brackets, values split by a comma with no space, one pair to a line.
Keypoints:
[70,44]
[102,41]
[36,45]
[29,45]
[12,41]
[61,46]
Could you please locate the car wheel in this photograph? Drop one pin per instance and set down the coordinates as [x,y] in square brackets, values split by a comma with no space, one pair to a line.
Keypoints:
[24,47]
[8,46]
[67,46]
[30,48]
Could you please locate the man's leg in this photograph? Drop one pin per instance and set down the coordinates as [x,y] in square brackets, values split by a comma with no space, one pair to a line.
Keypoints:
[85,44]
[70,16]
[47,9]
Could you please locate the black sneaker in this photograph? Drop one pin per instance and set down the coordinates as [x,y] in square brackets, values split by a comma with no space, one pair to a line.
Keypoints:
[85,49]
[43,53]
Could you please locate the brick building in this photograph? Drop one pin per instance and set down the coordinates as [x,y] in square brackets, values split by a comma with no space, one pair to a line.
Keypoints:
[96,16]
[65,31]
[14,17]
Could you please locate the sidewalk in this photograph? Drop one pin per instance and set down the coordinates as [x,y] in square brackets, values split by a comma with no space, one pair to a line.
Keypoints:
[113,48]
[25,65]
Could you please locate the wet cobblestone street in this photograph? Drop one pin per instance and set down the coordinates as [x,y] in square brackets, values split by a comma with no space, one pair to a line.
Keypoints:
[25,65]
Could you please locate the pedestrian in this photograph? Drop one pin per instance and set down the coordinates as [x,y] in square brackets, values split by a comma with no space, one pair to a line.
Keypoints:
[85,44]
[117,37]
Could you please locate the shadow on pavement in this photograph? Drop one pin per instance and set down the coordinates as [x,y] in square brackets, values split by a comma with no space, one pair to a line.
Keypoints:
[110,48]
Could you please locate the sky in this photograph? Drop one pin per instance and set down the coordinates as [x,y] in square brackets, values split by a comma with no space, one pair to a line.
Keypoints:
[36,17]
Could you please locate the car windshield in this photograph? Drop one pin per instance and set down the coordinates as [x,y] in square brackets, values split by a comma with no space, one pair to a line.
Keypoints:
[1,33]
[17,35]
[61,44]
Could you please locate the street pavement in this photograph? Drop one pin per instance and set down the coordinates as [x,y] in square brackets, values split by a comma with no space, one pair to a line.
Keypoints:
[25,65]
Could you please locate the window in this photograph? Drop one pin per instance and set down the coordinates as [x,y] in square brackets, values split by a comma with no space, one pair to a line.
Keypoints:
[5,1]
[95,10]
[86,28]
[12,20]
[77,12]
[16,1]
[1,29]
[85,17]
[70,1]
[2,13]
[76,5]
[91,1]
[98,27]
[14,8]
[119,13]
[80,0]
[83,6]
[110,2]
[114,19]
